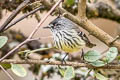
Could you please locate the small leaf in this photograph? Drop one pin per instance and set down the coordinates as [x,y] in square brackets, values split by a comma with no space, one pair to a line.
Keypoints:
[69,3]
[98,63]
[69,73]
[62,71]
[6,66]
[118,57]
[89,1]
[92,56]
[100,76]
[82,71]
[19,70]
[3,41]
[13,44]
[111,54]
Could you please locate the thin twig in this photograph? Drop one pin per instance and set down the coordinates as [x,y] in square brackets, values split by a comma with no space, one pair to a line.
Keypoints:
[7,73]
[14,14]
[118,37]
[74,64]
[24,16]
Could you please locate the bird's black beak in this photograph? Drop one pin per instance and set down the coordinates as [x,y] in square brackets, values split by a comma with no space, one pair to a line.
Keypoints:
[46,27]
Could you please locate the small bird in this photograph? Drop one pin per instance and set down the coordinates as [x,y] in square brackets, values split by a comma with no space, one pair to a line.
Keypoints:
[67,35]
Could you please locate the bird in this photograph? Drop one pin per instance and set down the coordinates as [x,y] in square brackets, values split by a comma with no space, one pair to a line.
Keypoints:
[67,36]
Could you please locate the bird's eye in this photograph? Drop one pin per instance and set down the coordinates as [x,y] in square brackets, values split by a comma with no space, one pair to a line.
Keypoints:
[55,26]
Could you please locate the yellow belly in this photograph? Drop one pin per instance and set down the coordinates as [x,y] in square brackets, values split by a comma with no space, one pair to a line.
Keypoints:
[71,48]
[69,44]
[68,49]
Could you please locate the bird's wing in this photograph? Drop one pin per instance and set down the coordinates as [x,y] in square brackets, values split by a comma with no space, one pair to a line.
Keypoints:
[74,26]
[83,36]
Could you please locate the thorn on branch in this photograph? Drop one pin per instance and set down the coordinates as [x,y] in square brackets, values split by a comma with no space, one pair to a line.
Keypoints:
[118,37]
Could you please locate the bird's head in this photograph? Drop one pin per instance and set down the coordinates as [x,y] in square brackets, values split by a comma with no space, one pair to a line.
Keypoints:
[60,23]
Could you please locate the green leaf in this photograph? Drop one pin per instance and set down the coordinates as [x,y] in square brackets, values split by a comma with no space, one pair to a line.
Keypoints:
[6,66]
[62,71]
[3,41]
[89,1]
[92,56]
[98,63]
[111,54]
[69,73]
[82,71]
[118,57]
[19,70]
[100,76]
[69,2]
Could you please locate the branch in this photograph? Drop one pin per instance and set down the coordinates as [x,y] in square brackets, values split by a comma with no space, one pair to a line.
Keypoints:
[74,64]
[89,26]
[33,32]
[82,9]
[14,14]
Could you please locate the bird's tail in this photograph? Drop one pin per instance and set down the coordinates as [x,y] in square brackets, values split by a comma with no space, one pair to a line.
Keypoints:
[85,38]
[89,44]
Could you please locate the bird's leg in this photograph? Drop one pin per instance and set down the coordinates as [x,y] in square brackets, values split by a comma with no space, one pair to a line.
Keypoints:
[82,56]
[63,60]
